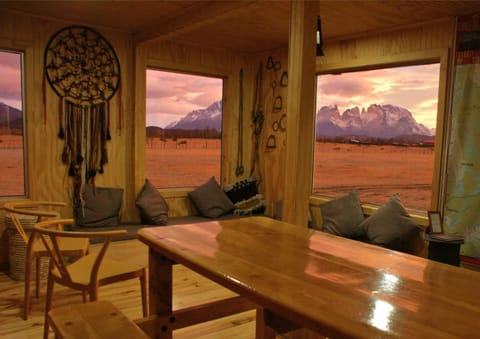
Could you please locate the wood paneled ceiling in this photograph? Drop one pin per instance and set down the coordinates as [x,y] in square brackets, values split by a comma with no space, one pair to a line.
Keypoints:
[244,26]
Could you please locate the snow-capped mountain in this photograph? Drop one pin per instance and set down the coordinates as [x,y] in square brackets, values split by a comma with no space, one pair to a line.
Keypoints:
[210,117]
[377,121]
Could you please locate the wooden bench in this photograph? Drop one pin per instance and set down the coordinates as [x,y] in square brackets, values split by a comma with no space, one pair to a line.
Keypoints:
[100,319]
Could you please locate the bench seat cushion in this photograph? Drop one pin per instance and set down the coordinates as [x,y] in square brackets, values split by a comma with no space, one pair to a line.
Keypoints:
[132,229]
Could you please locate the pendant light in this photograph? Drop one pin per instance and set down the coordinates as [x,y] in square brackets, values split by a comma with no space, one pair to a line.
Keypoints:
[319,37]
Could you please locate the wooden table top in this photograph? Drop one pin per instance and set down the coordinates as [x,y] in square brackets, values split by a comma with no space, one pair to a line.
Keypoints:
[332,285]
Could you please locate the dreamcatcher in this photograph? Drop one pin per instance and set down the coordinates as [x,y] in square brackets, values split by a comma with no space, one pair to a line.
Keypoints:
[83,69]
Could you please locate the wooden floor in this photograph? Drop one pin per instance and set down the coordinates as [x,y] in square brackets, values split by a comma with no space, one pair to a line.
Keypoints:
[189,289]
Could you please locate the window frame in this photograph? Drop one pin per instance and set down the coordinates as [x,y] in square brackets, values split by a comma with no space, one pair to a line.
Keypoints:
[223,78]
[441,138]
[23,75]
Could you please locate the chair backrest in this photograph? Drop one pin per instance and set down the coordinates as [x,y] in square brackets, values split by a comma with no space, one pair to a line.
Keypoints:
[33,208]
[51,233]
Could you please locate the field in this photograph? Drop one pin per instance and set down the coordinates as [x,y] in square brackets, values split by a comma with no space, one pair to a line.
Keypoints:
[182,163]
[376,171]
[11,168]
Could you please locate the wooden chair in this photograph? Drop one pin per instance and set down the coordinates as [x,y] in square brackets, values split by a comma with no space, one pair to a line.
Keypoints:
[35,251]
[89,272]
[94,320]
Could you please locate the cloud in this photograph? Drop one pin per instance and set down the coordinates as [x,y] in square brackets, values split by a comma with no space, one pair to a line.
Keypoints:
[172,95]
[10,79]
[343,85]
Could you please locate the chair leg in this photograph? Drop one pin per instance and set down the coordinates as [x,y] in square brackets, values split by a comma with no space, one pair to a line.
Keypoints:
[48,306]
[143,288]
[38,264]
[93,291]
[26,295]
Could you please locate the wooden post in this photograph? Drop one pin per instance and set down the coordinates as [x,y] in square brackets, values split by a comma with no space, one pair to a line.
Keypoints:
[300,111]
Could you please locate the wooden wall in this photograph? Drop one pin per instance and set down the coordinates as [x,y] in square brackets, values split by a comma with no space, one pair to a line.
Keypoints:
[47,178]
[46,175]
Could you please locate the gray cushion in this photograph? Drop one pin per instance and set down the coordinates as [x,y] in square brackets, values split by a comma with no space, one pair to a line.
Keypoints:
[210,200]
[391,227]
[153,207]
[101,208]
[342,216]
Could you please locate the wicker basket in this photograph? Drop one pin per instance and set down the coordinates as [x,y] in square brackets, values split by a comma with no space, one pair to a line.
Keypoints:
[17,248]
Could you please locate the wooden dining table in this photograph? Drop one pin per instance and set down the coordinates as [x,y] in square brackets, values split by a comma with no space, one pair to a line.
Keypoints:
[301,278]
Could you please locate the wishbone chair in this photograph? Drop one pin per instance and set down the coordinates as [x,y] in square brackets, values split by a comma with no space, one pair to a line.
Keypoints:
[35,249]
[89,272]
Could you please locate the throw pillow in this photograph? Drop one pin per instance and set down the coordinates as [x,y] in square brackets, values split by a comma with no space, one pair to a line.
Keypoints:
[391,227]
[342,216]
[101,207]
[210,200]
[153,207]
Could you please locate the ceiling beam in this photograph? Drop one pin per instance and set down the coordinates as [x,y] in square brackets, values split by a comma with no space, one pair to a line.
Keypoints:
[192,17]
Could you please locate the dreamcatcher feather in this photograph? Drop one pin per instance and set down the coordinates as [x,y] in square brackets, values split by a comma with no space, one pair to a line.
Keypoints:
[83,69]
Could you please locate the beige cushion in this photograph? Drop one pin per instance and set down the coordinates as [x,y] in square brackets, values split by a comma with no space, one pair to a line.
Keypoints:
[153,207]
[210,200]
[343,216]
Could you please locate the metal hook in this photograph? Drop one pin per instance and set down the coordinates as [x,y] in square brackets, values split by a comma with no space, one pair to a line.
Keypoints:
[271,141]
[284,79]
[278,104]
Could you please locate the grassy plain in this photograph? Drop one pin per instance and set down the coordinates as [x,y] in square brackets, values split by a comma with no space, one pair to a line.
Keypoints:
[11,165]
[376,171]
[182,163]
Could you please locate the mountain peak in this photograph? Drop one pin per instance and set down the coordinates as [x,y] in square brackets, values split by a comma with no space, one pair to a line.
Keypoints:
[377,121]
[210,117]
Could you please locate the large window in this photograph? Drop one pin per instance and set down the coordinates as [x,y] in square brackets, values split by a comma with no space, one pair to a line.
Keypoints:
[375,132]
[184,129]
[12,178]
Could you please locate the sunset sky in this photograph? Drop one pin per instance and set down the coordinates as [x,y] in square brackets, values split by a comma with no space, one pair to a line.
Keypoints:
[171,95]
[414,88]
[10,81]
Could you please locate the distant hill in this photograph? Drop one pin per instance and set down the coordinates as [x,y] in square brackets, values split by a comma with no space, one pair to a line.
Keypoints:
[10,119]
[377,121]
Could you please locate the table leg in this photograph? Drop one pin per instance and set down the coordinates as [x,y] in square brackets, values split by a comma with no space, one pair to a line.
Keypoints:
[262,329]
[160,290]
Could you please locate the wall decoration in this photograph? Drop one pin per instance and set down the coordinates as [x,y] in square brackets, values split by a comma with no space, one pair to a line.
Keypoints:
[83,70]
[239,169]
[462,191]
[258,118]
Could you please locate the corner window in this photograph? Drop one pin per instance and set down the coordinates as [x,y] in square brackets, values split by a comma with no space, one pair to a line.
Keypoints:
[183,129]
[376,132]
[12,141]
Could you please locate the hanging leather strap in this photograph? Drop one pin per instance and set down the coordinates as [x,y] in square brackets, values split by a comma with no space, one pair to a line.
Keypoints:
[239,170]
